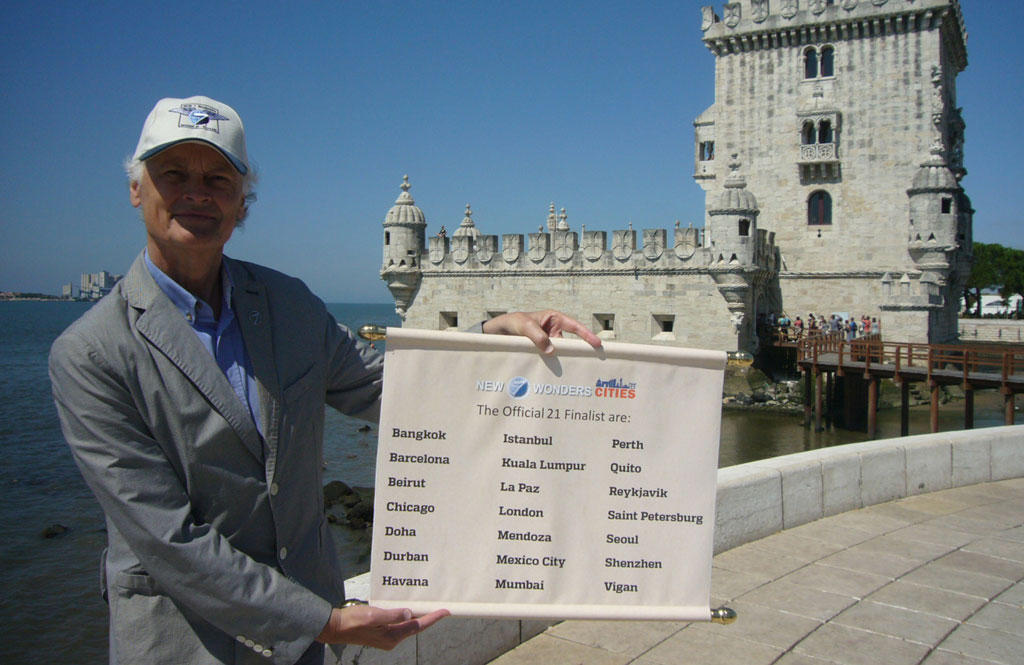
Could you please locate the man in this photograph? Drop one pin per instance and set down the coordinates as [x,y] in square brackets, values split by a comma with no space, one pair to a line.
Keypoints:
[192,399]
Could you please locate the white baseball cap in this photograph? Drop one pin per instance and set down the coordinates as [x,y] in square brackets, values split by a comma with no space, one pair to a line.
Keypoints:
[173,121]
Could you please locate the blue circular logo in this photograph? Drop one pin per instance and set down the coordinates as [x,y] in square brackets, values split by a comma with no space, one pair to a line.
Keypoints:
[518,387]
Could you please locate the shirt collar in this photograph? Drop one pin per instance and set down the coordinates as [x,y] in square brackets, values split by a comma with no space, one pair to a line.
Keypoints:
[191,308]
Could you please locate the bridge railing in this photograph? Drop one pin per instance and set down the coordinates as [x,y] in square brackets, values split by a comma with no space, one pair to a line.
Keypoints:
[996,361]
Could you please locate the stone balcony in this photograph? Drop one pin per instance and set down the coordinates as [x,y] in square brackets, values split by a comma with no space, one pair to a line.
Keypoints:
[818,153]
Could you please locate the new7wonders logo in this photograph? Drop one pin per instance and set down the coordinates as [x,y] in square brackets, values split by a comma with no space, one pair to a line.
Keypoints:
[518,387]
[199,116]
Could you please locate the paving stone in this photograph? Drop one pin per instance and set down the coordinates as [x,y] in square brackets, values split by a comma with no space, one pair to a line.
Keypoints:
[982,563]
[936,503]
[765,625]
[837,580]
[1013,596]
[801,659]
[919,598]
[906,624]
[702,646]
[626,637]
[828,531]
[791,544]
[885,517]
[976,525]
[800,600]
[997,547]
[746,558]
[961,581]
[1000,616]
[984,643]
[545,649]
[895,543]
[1015,534]
[940,657]
[936,532]
[887,565]
[729,584]
[851,646]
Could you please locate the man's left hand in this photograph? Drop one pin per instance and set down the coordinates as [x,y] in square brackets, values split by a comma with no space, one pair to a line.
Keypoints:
[540,327]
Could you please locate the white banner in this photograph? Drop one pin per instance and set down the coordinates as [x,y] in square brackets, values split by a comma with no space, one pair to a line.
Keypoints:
[510,484]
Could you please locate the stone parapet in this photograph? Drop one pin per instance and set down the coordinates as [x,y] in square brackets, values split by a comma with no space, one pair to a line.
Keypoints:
[1007,331]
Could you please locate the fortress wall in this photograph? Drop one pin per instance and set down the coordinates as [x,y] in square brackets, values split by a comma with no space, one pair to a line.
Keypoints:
[702,319]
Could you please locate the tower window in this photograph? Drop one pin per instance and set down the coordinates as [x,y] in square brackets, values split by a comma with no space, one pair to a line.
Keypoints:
[825,132]
[819,209]
[744,227]
[664,323]
[604,322]
[449,320]
[828,61]
[707,151]
[387,237]
[810,64]
[808,133]
[947,205]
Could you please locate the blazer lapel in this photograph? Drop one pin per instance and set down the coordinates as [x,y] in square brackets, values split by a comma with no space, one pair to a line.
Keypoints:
[162,325]
[253,312]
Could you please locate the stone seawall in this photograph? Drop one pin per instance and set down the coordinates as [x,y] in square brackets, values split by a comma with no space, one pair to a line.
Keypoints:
[755,500]
[1008,331]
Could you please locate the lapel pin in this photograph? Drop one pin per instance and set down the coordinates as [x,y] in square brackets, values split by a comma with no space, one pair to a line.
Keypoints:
[254,316]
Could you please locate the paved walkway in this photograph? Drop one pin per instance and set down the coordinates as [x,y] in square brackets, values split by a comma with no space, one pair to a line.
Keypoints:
[934,579]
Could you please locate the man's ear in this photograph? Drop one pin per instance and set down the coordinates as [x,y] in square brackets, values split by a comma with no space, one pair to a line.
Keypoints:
[133,194]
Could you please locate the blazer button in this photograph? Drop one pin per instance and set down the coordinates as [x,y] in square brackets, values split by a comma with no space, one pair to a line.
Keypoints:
[273,489]
[241,638]
[249,643]
[284,553]
[268,652]
[258,648]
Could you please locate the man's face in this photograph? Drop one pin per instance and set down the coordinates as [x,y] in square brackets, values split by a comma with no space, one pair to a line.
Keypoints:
[190,198]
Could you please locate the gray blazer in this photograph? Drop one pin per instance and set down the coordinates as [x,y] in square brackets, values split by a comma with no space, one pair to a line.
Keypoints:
[218,549]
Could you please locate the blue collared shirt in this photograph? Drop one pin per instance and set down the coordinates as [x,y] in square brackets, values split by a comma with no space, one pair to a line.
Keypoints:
[223,338]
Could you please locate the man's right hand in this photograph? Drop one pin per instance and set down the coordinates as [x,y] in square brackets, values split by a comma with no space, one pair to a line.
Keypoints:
[375,627]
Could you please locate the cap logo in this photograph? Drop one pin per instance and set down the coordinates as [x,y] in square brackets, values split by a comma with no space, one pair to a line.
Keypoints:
[199,116]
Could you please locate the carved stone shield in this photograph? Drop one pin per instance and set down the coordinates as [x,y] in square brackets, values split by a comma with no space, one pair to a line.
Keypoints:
[486,247]
[686,243]
[511,248]
[460,249]
[438,246]
[789,8]
[849,4]
[539,244]
[623,244]
[731,13]
[878,3]
[593,245]
[707,18]
[537,254]
[759,10]
[654,244]
[817,6]
[564,246]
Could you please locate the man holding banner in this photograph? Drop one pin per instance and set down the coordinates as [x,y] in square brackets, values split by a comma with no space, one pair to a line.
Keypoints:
[192,399]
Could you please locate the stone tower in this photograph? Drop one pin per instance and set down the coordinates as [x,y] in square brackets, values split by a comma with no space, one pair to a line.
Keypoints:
[404,242]
[844,115]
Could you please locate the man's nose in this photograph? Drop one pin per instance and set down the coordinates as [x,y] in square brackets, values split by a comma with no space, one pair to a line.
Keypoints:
[196,189]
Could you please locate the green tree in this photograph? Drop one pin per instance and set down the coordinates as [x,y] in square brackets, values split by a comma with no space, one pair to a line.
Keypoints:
[997,268]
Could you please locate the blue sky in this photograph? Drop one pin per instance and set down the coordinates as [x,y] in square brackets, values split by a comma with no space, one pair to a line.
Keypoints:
[506,106]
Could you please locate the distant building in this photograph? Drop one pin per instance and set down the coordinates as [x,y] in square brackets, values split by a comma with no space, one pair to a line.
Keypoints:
[839,190]
[67,291]
[95,285]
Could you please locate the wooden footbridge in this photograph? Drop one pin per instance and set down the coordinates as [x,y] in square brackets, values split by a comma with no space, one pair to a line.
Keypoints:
[971,367]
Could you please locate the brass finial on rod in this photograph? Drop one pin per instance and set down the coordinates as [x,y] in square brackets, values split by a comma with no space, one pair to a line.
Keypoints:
[371,332]
[723,615]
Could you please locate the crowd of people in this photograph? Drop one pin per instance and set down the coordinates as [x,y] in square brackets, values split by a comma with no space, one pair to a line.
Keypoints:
[783,328]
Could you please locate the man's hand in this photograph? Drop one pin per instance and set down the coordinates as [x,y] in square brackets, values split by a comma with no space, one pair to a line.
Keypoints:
[374,627]
[540,327]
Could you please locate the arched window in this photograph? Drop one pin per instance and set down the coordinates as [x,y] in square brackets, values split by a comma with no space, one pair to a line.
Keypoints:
[744,227]
[810,64]
[819,209]
[808,133]
[825,132]
[828,61]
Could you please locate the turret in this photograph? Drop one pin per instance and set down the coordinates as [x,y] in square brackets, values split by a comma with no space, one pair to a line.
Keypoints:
[935,217]
[404,241]
[732,222]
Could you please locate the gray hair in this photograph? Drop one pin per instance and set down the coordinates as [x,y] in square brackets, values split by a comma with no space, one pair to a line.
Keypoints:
[133,169]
